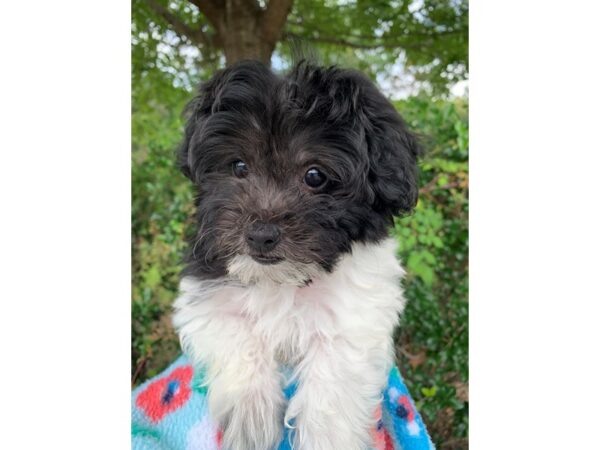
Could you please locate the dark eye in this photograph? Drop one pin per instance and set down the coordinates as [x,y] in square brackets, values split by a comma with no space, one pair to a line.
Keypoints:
[314,178]
[240,169]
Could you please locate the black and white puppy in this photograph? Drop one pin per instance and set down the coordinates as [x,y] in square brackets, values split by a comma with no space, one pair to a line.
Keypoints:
[298,180]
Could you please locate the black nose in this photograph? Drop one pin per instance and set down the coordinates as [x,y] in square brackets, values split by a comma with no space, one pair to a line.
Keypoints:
[263,237]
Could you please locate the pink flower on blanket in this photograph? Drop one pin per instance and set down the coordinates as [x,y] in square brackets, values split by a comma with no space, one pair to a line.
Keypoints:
[167,394]
[380,436]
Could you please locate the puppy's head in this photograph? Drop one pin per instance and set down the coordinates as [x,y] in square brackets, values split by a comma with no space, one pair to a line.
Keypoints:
[290,171]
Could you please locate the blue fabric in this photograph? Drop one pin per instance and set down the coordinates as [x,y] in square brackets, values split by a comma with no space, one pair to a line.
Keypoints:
[170,412]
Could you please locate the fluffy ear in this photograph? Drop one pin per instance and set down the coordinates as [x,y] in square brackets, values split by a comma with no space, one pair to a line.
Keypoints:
[196,111]
[392,151]
[230,89]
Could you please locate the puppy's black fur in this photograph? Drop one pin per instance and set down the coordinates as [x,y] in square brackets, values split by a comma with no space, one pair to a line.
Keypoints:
[281,126]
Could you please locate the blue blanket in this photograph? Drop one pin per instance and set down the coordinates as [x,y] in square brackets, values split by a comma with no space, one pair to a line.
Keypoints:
[169,412]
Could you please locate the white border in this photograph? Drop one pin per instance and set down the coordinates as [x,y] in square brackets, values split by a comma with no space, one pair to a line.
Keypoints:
[534,225]
[65,203]
[65,224]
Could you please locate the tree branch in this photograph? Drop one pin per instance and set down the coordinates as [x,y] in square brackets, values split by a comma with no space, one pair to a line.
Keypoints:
[274,18]
[347,42]
[212,10]
[340,41]
[302,26]
[197,36]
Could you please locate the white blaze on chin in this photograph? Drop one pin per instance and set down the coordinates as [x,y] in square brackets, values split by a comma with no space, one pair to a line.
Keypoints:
[249,271]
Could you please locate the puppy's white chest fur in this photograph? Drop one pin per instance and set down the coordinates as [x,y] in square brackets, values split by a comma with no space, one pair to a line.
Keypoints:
[362,294]
[336,332]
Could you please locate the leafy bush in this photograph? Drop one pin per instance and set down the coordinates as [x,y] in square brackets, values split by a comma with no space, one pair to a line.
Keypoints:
[432,341]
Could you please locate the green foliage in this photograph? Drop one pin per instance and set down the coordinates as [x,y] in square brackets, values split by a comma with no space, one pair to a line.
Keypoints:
[433,339]
[430,37]
[158,52]
[161,205]
[427,38]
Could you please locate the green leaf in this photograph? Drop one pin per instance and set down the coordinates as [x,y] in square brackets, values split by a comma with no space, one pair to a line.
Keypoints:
[429,392]
[152,277]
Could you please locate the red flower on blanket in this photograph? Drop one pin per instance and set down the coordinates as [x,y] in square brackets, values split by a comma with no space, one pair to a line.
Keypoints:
[405,410]
[167,394]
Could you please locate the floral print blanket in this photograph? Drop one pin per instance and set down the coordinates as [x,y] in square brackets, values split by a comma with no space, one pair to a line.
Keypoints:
[169,412]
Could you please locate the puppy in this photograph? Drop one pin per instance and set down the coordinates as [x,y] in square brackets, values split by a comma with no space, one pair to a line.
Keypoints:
[298,179]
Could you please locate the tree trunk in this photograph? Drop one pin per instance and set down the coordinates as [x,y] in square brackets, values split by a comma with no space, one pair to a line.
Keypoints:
[241,34]
[244,30]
